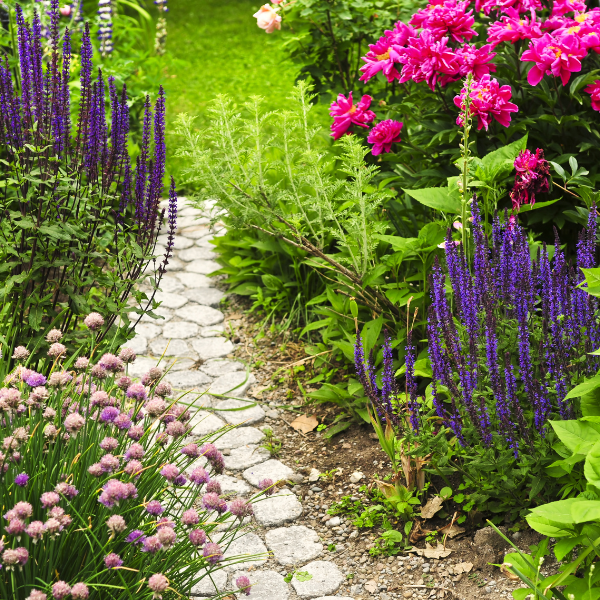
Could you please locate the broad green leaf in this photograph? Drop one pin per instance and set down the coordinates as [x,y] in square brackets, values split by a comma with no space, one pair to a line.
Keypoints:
[585,510]
[422,368]
[399,243]
[536,206]
[587,386]
[316,325]
[564,546]
[557,512]
[335,429]
[591,468]
[437,198]
[578,436]
[370,334]
[590,403]
[546,527]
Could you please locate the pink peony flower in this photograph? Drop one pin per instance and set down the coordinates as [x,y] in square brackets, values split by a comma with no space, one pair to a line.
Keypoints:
[475,60]
[381,57]
[383,135]
[446,18]
[345,114]
[427,59]
[531,177]
[487,99]
[557,57]
[520,6]
[267,18]
[562,7]
[594,90]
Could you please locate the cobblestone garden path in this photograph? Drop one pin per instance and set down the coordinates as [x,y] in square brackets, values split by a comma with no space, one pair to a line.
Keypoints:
[191,332]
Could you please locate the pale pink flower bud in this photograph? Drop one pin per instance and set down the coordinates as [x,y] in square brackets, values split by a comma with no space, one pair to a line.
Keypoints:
[267,18]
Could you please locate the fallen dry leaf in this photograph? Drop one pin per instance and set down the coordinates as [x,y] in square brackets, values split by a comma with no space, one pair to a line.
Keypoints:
[417,532]
[452,530]
[504,569]
[464,567]
[433,505]
[305,423]
[431,552]
[371,586]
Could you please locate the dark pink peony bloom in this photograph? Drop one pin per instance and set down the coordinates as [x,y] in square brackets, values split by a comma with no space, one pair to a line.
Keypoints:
[594,90]
[427,59]
[512,28]
[475,60]
[558,57]
[381,57]
[383,135]
[503,6]
[446,18]
[562,7]
[487,99]
[531,177]
[345,114]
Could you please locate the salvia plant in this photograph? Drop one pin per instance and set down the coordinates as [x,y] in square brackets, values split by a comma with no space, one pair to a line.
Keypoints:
[80,222]
[106,491]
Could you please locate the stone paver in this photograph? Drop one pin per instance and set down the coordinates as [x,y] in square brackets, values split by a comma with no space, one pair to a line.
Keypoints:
[185,380]
[181,364]
[240,436]
[246,456]
[202,315]
[266,585]
[139,344]
[248,415]
[170,284]
[204,422]
[233,384]
[232,485]
[212,347]
[169,300]
[271,469]
[197,253]
[294,545]
[203,267]
[212,331]
[210,585]
[249,547]
[180,329]
[170,347]
[278,509]
[216,367]
[148,330]
[207,296]
[194,280]
[326,579]
[142,364]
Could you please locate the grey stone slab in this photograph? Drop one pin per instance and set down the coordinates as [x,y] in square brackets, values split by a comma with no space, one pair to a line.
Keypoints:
[195,233]
[196,253]
[187,380]
[139,344]
[266,585]
[171,347]
[180,329]
[293,545]
[170,284]
[148,330]
[239,436]
[141,365]
[169,300]
[216,367]
[204,267]
[183,222]
[204,423]
[212,582]
[246,456]
[232,384]
[181,364]
[270,469]
[326,579]
[212,331]
[227,522]
[175,265]
[335,598]
[248,416]
[212,347]
[248,550]
[202,315]
[197,399]
[207,296]
[190,211]
[232,485]
[194,280]
[278,509]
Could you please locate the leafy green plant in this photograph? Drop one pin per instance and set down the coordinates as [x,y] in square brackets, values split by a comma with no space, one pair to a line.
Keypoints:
[271,443]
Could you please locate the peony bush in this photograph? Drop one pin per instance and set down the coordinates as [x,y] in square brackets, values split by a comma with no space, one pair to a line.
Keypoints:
[104,493]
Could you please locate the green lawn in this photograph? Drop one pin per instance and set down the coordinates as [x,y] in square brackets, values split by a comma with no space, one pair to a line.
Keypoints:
[214,47]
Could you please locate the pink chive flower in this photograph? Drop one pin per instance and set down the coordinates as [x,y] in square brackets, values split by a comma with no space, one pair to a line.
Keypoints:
[111,363]
[191,450]
[66,489]
[427,59]
[381,57]
[345,114]
[213,487]
[197,537]
[109,444]
[446,18]
[124,382]
[266,485]
[135,432]
[37,595]
[127,355]
[267,18]
[122,421]
[35,530]
[15,527]
[169,472]
[136,391]
[212,553]
[135,537]
[190,517]
[151,545]
[74,422]
[93,321]
[552,56]
[158,583]
[211,501]
[154,507]
[243,584]
[60,590]
[594,91]
[176,429]
[487,100]
[23,510]
[109,463]
[166,536]
[112,561]
[199,476]
[134,451]
[531,178]
[115,491]
[116,524]
[49,499]
[80,591]
[163,389]
[134,468]
[240,508]
[383,135]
